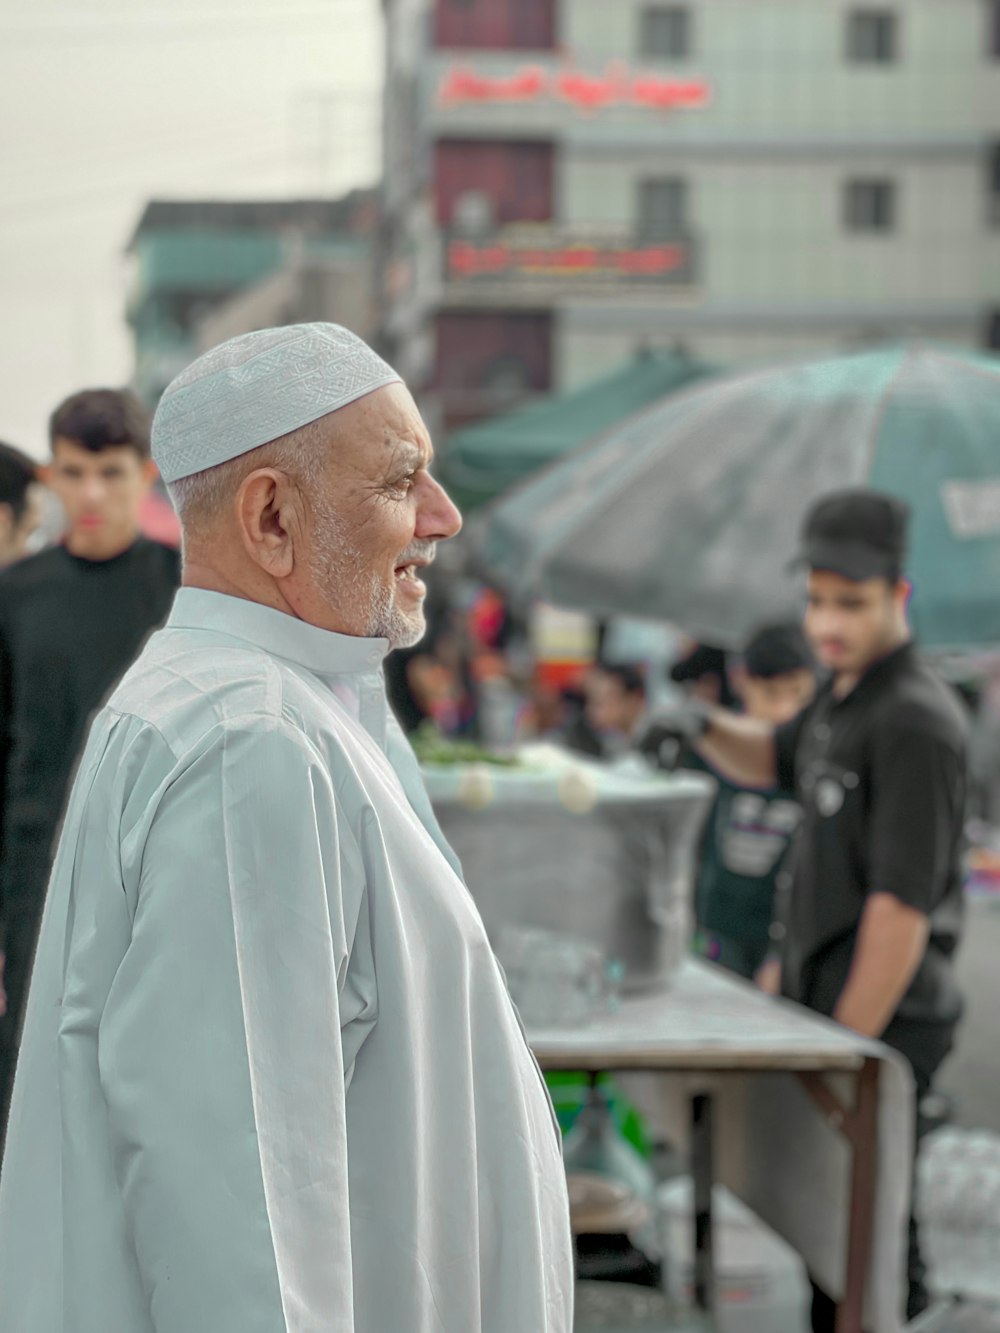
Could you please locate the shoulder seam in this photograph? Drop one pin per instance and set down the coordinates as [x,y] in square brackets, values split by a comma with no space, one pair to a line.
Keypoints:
[278,719]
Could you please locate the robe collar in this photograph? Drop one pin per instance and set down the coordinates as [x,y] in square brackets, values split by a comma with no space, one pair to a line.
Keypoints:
[318,650]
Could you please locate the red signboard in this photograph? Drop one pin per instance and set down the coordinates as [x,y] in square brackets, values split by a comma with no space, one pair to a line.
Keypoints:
[501,257]
[617,86]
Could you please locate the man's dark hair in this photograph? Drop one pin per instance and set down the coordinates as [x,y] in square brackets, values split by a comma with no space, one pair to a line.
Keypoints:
[101,419]
[17,472]
[630,678]
[777,650]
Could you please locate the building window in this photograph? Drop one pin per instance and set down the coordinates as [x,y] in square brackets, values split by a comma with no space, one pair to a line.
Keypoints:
[663,206]
[665,32]
[870,205]
[872,36]
[484,355]
[494,25]
[509,180]
[473,213]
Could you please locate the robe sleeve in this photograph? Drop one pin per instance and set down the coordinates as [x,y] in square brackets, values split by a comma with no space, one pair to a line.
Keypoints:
[220,1046]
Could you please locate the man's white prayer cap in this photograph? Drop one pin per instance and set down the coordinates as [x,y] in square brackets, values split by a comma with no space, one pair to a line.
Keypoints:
[257,387]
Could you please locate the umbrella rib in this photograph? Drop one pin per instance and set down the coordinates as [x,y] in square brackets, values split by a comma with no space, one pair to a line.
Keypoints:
[988,373]
[882,407]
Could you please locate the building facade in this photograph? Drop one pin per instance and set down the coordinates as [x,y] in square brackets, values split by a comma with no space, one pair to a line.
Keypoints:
[569,180]
[204,270]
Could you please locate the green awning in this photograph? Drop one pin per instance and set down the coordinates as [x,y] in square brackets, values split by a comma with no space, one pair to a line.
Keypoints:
[481,460]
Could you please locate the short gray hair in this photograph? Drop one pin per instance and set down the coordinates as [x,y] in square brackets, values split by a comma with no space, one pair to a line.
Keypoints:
[201,498]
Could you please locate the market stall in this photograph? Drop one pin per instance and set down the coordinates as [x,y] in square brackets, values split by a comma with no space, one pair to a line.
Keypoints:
[583,878]
[817,1122]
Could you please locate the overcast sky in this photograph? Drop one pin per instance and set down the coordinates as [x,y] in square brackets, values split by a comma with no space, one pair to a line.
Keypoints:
[105,104]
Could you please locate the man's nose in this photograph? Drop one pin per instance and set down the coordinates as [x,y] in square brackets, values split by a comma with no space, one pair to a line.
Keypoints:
[823,623]
[437,517]
[92,489]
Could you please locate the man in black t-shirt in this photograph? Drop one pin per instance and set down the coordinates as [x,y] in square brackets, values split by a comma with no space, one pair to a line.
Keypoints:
[20,503]
[878,763]
[72,619]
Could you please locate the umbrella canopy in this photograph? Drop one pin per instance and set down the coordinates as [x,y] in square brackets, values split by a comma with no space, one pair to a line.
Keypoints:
[482,460]
[690,511]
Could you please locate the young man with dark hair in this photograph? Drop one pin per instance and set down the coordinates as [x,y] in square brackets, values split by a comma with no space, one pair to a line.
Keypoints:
[750,829]
[878,762]
[614,710]
[20,507]
[72,619]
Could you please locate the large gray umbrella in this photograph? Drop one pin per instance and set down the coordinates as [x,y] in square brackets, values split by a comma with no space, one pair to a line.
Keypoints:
[690,511]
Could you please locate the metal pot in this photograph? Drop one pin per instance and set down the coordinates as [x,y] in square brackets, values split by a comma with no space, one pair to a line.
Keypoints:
[618,874]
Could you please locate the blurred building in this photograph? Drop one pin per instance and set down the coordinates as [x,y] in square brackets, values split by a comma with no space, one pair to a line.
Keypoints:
[568,180]
[205,270]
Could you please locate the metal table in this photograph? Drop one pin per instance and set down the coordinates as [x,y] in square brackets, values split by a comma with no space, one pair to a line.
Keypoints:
[709,1022]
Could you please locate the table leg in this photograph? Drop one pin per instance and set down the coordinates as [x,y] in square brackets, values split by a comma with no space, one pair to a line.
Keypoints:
[859,1126]
[702,1173]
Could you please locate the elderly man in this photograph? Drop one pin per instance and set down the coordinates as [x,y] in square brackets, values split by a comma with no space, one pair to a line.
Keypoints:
[271,1080]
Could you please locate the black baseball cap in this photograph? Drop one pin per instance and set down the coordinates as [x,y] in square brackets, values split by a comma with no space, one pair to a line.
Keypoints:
[777,650]
[857,533]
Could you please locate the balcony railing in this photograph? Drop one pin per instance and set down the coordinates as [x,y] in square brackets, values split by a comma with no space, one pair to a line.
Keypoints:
[566,257]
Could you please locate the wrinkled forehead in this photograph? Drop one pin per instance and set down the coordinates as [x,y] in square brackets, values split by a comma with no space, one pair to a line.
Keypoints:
[386,426]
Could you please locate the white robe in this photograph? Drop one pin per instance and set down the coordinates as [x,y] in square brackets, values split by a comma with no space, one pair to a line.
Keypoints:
[270,1078]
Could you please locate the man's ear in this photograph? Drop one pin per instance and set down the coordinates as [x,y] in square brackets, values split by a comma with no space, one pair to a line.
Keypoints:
[44,473]
[903,595]
[150,472]
[269,521]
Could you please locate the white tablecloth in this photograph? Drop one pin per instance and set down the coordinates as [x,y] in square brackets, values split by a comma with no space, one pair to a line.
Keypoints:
[789,1165]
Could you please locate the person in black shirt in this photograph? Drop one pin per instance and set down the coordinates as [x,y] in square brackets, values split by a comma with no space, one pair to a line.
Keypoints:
[749,830]
[72,619]
[878,762]
[20,504]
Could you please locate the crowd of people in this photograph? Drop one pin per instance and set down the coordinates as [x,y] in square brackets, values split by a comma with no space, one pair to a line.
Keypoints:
[266,1061]
[830,866]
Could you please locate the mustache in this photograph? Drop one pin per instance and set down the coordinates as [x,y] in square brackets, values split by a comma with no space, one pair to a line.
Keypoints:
[423,551]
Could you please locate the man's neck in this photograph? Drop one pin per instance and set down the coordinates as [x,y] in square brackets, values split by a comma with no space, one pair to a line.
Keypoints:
[207,577]
[846,681]
[84,549]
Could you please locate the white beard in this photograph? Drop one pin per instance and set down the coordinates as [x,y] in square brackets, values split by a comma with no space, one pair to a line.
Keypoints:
[337,567]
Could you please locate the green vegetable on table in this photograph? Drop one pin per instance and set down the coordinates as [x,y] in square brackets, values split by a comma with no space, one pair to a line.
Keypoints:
[431,747]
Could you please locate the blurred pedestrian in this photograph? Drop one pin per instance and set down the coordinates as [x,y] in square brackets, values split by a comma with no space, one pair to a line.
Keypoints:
[878,762]
[20,503]
[703,671]
[614,711]
[749,830]
[72,618]
[271,1076]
